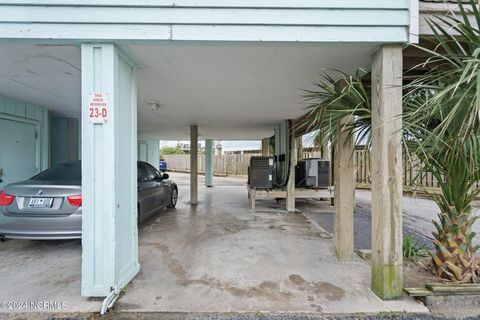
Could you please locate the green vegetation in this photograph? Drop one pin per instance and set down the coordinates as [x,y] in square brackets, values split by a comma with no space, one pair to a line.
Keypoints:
[259,314]
[441,117]
[412,249]
[337,98]
[444,121]
[171,150]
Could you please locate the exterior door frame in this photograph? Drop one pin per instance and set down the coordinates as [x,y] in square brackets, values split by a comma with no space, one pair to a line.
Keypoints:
[36,123]
[140,142]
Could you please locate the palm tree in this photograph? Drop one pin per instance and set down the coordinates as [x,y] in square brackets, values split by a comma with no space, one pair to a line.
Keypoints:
[455,163]
[333,100]
[443,114]
[441,128]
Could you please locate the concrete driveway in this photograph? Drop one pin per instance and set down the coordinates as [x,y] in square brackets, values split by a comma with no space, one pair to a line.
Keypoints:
[215,257]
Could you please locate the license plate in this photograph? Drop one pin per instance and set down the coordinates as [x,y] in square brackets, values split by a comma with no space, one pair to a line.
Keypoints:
[40,203]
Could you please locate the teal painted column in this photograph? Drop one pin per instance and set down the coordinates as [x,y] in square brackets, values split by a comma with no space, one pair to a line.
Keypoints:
[209,163]
[109,171]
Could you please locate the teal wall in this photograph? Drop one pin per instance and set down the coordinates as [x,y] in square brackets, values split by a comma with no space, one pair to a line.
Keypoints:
[64,139]
[109,175]
[25,110]
[58,140]
[378,21]
[65,142]
[153,149]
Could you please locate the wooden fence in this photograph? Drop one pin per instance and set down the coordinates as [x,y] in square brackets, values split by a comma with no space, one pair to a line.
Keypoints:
[237,165]
[412,175]
[227,164]
[414,179]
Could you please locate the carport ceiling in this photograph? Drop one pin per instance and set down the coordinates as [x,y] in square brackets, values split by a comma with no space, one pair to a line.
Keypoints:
[231,90]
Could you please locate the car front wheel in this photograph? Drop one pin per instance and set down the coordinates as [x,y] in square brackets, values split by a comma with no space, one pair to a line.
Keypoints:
[173,198]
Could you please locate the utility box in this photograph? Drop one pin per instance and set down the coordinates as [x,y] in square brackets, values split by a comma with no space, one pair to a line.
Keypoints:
[261,172]
[313,173]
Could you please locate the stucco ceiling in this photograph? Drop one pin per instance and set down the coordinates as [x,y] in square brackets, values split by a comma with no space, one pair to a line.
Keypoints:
[232,91]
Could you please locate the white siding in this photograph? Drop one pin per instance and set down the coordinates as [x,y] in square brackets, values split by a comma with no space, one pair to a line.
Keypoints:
[210,20]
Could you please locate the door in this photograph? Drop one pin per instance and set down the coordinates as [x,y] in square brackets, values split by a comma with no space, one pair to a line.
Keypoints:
[18,151]
[142,151]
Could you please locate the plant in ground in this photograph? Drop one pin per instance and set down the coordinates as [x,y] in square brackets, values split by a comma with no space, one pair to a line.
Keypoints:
[442,113]
[441,119]
[412,249]
[455,258]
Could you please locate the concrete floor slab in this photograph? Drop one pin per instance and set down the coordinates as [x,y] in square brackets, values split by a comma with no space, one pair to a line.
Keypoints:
[215,257]
[43,271]
[221,256]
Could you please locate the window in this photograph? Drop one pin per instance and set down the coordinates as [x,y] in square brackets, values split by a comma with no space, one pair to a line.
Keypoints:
[66,171]
[152,173]
[141,172]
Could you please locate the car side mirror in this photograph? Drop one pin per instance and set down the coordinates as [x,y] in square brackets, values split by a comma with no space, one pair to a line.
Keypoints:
[165,176]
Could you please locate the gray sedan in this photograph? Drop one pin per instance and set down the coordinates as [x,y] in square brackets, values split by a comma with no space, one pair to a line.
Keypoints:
[49,205]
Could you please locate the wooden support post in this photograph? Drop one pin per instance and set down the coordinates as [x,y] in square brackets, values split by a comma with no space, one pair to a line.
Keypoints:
[344,195]
[265,147]
[253,195]
[386,172]
[325,151]
[193,164]
[291,175]
[299,148]
[332,170]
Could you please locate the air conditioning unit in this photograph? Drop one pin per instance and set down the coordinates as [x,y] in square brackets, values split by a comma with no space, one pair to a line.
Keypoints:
[313,173]
[261,172]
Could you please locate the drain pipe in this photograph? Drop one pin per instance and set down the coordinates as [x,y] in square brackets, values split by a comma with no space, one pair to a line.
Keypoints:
[109,301]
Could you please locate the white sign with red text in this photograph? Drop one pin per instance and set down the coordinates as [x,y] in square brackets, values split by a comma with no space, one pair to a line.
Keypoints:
[98,107]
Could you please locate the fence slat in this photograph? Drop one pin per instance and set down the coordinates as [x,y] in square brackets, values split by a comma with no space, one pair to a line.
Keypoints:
[237,164]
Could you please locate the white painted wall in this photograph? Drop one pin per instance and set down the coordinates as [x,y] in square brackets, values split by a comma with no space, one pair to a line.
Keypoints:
[153,149]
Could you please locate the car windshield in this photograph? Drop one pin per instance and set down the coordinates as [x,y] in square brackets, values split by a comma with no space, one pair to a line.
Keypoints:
[66,171]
